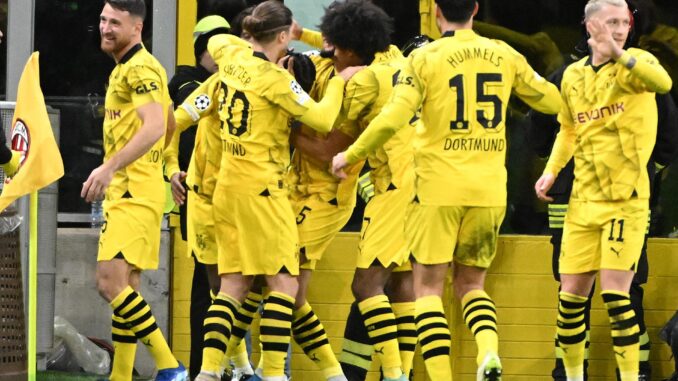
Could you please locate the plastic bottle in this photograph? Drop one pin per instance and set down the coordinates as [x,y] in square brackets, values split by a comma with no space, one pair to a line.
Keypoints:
[97,215]
[89,356]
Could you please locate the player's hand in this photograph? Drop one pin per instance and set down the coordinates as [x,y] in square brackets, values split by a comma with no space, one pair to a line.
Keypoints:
[287,63]
[296,30]
[94,188]
[601,40]
[338,164]
[349,72]
[543,185]
[178,190]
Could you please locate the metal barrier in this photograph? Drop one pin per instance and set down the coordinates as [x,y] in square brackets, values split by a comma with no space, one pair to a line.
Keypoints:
[47,225]
[12,322]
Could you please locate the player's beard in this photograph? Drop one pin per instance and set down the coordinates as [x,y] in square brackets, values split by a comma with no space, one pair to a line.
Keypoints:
[114,45]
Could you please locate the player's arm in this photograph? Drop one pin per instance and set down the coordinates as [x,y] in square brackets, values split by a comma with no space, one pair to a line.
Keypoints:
[531,87]
[404,102]
[644,73]
[319,148]
[196,105]
[149,106]
[562,152]
[307,36]
[319,116]
[152,129]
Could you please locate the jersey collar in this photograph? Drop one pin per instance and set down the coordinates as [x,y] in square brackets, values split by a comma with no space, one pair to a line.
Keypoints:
[595,68]
[261,55]
[130,53]
[460,33]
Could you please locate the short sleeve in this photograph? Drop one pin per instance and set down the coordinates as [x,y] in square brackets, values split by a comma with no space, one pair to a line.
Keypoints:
[145,85]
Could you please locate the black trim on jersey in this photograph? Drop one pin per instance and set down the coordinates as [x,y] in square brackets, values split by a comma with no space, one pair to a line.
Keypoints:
[595,68]
[449,33]
[130,53]
[261,55]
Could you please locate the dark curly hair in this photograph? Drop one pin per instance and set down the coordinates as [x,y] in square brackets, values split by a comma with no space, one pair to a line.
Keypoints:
[456,10]
[357,25]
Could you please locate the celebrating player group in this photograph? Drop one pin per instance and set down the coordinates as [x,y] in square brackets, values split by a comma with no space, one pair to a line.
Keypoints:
[272,175]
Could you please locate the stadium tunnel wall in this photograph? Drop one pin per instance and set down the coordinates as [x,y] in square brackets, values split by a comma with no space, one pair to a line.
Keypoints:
[521,283]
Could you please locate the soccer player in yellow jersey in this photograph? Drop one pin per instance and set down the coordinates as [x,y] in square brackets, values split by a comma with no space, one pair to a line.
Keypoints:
[255,228]
[356,32]
[609,123]
[462,83]
[137,115]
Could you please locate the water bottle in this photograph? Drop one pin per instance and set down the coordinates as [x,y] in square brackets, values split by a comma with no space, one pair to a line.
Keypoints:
[97,216]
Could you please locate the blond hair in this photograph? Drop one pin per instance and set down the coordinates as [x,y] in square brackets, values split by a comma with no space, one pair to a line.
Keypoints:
[594,6]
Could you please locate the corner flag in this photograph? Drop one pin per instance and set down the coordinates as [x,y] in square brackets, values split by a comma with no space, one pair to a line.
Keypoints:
[32,135]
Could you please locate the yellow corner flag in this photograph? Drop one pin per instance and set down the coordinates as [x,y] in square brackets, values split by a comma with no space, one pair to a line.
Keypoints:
[32,135]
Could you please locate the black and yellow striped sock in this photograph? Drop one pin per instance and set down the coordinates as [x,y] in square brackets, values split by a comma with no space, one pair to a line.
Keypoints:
[125,346]
[237,352]
[383,331]
[407,333]
[217,329]
[480,317]
[434,337]
[310,334]
[274,332]
[356,351]
[625,331]
[572,333]
[139,318]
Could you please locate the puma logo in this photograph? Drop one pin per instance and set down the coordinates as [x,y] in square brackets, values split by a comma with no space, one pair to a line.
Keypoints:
[315,358]
[616,252]
[380,350]
[147,343]
[621,354]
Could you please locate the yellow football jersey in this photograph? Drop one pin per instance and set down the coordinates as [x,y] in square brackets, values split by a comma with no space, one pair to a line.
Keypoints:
[259,99]
[200,107]
[309,176]
[462,83]
[366,93]
[609,122]
[138,79]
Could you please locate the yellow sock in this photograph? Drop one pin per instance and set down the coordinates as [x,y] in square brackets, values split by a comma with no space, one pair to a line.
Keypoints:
[310,334]
[139,318]
[125,345]
[434,337]
[407,333]
[217,328]
[572,333]
[274,332]
[236,350]
[241,359]
[383,331]
[625,332]
[481,318]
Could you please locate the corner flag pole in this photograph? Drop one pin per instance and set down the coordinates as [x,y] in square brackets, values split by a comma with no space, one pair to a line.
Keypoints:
[32,285]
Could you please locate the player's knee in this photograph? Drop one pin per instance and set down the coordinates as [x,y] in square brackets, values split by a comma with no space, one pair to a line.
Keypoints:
[107,287]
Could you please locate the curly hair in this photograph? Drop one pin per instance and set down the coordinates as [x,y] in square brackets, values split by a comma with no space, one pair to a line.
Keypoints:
[357,25]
